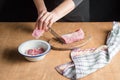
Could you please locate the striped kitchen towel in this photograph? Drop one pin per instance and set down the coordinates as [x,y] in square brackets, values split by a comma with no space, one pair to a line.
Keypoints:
[87,61]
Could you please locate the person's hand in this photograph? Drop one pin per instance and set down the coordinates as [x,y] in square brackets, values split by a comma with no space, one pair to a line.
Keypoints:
[45,20]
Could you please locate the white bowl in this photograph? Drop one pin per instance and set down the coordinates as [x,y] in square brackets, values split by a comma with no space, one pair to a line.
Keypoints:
[31,44]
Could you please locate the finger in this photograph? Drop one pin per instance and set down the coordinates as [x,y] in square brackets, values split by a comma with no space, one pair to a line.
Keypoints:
[47,22]
[39,21]
[36,25]
[40,24]
[44,25]
[50,22]
[41,14]
[44,22]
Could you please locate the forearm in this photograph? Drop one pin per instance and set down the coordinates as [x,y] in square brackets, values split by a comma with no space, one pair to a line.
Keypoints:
[64,8]
[40,5]
[46,19]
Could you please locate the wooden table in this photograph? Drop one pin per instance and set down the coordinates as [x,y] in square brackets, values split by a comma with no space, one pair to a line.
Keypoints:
[13,66]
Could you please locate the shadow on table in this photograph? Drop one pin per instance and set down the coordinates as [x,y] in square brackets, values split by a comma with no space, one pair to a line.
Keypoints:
[23,28]
[13,56]
[18,27]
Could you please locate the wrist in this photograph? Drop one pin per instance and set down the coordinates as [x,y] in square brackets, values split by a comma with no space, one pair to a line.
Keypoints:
[56,16]
[42,11]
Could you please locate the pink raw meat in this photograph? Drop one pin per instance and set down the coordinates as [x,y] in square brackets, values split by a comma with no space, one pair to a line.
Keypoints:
[37,33]
[35,51]
[72,37]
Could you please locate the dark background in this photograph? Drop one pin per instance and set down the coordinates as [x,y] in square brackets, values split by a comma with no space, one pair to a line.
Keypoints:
[17,10]
[105,10]
[24,10]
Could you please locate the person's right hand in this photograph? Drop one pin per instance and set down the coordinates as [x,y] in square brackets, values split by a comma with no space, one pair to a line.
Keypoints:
[45,20]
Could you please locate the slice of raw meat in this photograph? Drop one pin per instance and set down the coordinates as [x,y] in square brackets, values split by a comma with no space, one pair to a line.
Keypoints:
[37,33]
[72,37]
[35,51]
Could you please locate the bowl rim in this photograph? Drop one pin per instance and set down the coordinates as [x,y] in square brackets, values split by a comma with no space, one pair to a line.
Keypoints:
[32,56]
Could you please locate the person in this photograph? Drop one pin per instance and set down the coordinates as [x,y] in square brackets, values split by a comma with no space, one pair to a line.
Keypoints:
[50,11]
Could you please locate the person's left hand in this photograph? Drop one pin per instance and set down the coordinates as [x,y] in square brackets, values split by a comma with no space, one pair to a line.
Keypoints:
[45,20]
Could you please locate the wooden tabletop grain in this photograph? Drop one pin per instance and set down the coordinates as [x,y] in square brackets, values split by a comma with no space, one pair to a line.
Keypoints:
[14,66]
